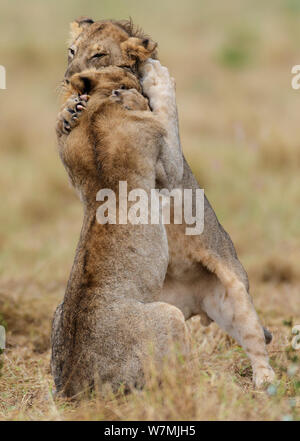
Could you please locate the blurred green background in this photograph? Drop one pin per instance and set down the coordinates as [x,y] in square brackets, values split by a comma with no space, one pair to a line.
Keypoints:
[238,115]
[240,131]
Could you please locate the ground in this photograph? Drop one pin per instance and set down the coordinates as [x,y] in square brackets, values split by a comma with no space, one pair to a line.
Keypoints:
[239,121]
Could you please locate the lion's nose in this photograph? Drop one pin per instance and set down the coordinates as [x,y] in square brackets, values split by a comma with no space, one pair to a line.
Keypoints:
[72,69]
[116,93]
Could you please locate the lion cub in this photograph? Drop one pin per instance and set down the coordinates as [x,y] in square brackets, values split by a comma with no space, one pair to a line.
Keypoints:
[110,317]
[204,275]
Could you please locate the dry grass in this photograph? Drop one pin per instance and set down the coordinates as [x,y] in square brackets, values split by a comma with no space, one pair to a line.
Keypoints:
[240,132]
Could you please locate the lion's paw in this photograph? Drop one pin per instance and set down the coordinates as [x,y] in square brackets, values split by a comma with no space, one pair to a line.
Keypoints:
[157,84]
[68,118]
[263,376]
[130,99]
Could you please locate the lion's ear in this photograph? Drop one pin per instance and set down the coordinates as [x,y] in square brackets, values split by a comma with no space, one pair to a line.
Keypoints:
[138,49]
[83,83]
[77,26]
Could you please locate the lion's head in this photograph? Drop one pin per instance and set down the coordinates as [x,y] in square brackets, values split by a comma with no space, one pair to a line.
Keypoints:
[107,42]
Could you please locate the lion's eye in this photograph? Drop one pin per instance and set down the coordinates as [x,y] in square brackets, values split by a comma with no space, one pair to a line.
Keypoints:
[99,55]
[71,52]
[123,87]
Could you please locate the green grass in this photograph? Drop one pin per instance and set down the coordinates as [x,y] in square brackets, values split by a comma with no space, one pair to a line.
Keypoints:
[239,122]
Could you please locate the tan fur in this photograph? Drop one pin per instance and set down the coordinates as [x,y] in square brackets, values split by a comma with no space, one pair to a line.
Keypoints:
[117,42]
[110,320]
[205,268]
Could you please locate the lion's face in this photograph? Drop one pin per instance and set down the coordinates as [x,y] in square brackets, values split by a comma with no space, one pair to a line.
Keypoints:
[104,43]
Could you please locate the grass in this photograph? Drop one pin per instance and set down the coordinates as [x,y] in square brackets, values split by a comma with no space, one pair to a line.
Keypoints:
[240,132]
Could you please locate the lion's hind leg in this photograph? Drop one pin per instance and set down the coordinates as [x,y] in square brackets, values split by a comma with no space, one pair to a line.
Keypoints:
[166,328]
[231,307]
[156,337]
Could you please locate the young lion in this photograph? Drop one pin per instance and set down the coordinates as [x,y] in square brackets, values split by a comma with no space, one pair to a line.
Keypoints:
[204,274]
[110,317]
